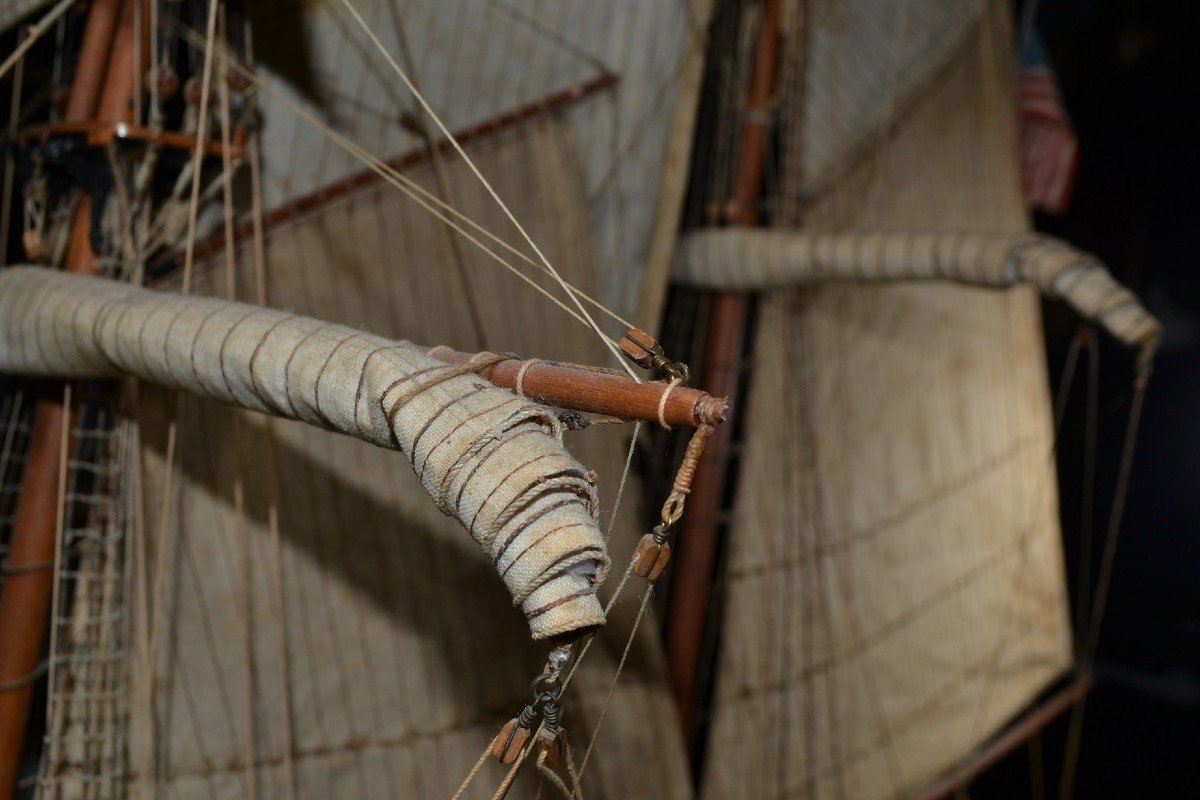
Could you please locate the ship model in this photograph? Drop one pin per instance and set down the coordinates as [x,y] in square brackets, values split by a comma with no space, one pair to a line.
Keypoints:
[472,399]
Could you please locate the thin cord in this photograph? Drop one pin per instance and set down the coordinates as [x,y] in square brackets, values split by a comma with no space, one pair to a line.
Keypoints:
[483,757]
[417,194]
[612,687]
[550,777]
[443,184]
[502,790]
[1104,580]
[59,522]
[612,520]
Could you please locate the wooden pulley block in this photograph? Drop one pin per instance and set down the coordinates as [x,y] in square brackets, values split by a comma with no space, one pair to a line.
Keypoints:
[651,557]
[640,347]
[508,745]
[236,81]
[165,81]
[553,744]
[193,90]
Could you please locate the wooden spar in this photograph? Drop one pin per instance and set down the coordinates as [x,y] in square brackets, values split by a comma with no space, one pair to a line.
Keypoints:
[1020,732]
[692,576]
[598,392]
[103,87]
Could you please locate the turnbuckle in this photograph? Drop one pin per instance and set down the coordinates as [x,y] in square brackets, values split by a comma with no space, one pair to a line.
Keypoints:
[644,350]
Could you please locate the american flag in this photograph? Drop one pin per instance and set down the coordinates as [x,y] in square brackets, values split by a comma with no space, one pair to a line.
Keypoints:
[1049,148]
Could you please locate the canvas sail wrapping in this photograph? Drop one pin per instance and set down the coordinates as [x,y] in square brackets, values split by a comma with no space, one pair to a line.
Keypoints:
[898,593]
[753,260]
[490,459]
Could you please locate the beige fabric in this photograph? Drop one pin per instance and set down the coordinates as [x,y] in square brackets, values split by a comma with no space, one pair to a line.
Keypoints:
[488,458]
[895,583]
[764,259]
[853,70]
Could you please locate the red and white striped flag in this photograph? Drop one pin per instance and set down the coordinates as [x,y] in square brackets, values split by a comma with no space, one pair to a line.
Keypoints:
[1049,148]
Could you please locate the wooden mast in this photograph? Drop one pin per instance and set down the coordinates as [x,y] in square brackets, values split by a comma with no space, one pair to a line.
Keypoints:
[103,88]
[692,580]
[1020,732]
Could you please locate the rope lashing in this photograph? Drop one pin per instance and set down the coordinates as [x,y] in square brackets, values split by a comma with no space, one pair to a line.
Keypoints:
[480,362]
[662,401]
[525,365]
[37,672]
[653,553]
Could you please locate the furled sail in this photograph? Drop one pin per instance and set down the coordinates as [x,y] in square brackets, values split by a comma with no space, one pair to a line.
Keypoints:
[755,260]
[487,457]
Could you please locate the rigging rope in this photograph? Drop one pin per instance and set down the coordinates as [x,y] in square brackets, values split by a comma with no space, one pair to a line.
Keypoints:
[1107,561]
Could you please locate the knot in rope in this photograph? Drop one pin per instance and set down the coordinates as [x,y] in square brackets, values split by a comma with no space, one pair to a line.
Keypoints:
[672,510]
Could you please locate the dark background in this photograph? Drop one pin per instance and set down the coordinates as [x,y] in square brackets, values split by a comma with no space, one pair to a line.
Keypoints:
[1128,71]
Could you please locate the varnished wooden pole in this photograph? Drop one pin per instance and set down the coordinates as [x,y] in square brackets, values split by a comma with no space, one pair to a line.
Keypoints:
[692,573]
[1020,732]
[597,392]
[103,87]
[93,60]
